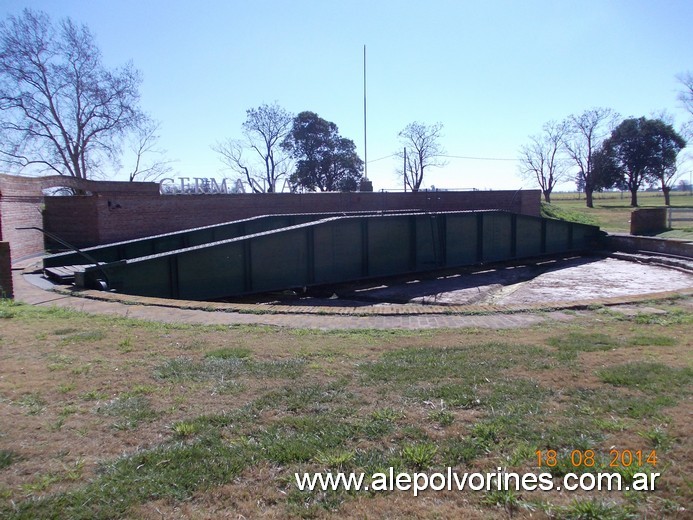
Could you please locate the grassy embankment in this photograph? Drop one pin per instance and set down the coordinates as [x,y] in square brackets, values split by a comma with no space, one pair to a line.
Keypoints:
[612,211]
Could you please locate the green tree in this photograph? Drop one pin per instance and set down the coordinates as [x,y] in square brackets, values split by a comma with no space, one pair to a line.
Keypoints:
[325,160]
[61,109]
[605,171]
[644,151]
[668,143]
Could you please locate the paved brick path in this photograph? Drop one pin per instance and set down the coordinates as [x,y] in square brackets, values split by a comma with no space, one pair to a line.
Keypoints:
[374,317]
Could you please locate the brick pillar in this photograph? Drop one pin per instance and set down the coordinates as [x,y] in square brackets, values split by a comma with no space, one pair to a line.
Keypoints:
[644,221]
[5,271]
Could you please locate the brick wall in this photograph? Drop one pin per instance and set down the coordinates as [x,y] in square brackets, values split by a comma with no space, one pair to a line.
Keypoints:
[74,219]
[108,218]
[115,211]
[22,205]
[644,221]
[5,271]
[18,211]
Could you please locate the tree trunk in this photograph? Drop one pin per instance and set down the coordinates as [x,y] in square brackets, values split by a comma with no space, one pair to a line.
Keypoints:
[667,197]
[634,198]
[547,196]
[588,198]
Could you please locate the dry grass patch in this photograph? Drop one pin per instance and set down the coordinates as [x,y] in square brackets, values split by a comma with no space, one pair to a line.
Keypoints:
[116,418]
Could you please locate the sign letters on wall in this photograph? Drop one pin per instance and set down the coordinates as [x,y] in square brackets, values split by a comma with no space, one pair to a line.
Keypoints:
[194,186]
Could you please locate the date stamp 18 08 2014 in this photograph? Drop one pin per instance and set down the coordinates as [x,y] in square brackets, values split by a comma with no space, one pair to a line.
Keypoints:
[589,459]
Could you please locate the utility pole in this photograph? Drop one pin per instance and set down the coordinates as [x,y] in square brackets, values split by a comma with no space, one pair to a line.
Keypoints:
[365,137]
[404,169]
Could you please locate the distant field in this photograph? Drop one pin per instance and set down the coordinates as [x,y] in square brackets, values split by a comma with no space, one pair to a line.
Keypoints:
[612,210]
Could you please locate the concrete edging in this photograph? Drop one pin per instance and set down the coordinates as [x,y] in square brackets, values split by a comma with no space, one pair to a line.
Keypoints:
[634,243]
[384,310]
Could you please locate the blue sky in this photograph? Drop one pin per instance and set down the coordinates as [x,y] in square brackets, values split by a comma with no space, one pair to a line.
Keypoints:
[493,72]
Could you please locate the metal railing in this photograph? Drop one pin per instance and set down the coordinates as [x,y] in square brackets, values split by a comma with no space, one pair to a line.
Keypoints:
[677,215]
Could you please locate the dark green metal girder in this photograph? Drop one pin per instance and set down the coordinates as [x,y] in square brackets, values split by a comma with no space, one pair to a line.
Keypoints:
[287,251]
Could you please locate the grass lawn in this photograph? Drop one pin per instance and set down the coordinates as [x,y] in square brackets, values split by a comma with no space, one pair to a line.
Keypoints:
[612,210]
[104,417]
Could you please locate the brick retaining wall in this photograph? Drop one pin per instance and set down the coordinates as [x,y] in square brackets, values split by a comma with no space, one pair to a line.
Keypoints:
[22,205]
[18,211]
[648,220]
[114,218]
[5,271]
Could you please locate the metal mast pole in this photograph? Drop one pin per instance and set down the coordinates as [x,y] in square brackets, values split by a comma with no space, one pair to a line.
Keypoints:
[365,135]
[404,169]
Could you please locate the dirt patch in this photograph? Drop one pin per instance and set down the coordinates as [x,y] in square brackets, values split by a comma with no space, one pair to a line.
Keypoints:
[542,282]
[598,279]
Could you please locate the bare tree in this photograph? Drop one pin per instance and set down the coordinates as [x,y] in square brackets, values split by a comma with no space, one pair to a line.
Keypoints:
[61,110]
[541,160]
[264,129]
[686,95]
[686,98]
[584,134]
[143,146]
[669,175]
[423,150]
